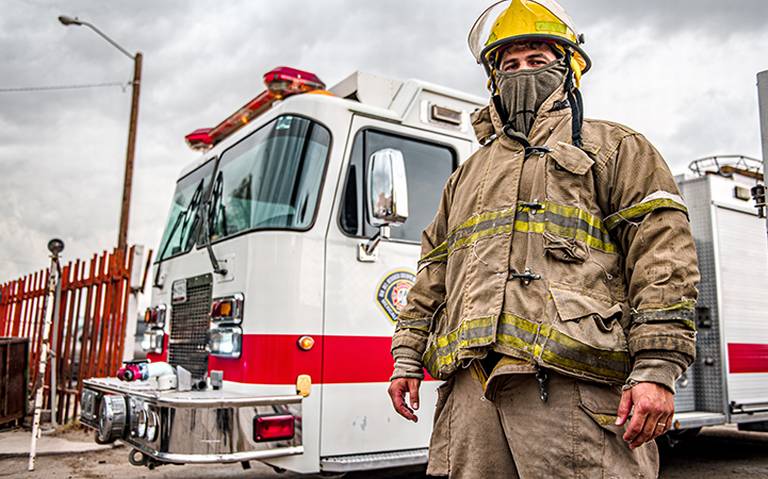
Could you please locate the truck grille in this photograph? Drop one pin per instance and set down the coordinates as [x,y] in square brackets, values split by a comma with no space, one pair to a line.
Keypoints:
[189,326]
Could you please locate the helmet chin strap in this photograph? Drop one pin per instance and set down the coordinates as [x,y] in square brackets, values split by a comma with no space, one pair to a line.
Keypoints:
[576,103]
[495,97]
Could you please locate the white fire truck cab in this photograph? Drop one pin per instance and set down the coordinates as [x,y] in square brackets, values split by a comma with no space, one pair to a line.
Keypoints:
[290,246]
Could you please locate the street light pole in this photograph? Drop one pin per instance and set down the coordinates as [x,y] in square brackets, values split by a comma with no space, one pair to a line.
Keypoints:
[122,236]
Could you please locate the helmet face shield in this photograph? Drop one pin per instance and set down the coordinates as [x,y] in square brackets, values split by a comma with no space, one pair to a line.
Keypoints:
[510,20]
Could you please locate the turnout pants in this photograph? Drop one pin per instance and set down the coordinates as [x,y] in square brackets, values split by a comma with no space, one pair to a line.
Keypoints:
[517,435]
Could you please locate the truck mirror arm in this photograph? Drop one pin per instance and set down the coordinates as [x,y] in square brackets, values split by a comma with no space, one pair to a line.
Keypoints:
[367,251]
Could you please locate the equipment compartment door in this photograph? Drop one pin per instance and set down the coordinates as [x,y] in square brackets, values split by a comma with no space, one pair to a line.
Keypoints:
[742,255]
[362,298]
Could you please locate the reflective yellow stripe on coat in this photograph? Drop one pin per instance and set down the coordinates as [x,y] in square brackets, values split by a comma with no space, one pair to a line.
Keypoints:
[564,221]
[541,342]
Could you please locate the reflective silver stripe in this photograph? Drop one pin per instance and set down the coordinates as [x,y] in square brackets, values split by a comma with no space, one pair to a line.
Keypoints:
[661,194]
[420,324]
[652,202]
[683,312]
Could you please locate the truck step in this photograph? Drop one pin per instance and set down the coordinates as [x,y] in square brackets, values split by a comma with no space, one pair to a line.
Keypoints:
[380,460]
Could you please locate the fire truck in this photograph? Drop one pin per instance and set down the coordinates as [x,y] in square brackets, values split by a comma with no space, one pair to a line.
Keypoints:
[290,246]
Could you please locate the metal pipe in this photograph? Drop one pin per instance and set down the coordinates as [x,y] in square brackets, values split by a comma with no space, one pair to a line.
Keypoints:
[762,95]
[67,21]
[54,352]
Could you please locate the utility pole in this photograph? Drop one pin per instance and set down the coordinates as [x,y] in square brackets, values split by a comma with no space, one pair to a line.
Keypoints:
[125,205]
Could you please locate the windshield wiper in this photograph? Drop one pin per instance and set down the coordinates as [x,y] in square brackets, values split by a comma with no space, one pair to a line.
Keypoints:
[214,199]
[194,202]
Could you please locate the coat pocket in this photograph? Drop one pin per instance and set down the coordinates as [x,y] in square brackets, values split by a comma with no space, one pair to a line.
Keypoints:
[567,250]
[440,443]
[590,333]
[568,178]
[601,403]
[586,310]
[570,158]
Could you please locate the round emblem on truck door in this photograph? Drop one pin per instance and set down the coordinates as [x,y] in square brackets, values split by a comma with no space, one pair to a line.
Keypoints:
[393,291]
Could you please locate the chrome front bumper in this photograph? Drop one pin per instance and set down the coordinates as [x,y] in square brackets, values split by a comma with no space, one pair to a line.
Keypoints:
[195,427]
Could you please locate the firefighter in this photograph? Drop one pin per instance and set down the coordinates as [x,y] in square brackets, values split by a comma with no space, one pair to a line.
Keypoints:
[556,289]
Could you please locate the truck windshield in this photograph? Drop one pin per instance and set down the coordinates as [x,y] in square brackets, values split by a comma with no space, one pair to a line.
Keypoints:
[271,179]
[181,228]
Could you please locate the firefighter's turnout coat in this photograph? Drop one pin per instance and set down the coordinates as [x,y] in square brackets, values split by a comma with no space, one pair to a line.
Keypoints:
[576,259]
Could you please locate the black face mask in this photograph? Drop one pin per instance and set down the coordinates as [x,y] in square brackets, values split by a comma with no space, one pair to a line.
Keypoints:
[523,92]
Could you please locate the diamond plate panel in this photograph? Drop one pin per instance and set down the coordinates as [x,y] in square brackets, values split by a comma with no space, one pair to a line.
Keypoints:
[708,367]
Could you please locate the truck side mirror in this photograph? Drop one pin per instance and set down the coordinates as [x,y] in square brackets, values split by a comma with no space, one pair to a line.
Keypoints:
[387,198]
[387,188]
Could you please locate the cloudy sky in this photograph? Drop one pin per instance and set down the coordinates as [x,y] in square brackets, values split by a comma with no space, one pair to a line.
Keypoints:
[682,72]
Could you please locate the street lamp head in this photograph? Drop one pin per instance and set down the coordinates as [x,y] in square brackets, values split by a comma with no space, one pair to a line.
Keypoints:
[56,246]
[67,21]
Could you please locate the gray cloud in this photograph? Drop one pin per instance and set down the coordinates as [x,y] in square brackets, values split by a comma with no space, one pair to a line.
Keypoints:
[713,18]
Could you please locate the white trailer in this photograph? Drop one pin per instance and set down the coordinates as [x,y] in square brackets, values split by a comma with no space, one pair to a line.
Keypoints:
[728,383]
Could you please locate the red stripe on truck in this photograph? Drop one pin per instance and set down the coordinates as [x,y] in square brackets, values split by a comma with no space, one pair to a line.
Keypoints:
[747,358]
[276,359]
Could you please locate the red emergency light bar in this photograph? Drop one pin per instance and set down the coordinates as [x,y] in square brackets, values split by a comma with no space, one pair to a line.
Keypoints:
[281,83]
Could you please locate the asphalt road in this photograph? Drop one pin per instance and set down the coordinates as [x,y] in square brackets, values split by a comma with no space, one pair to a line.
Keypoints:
[719,452]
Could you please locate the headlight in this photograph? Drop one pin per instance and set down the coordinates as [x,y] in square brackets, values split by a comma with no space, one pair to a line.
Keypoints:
[88,406]
[141,422]
[225,342]
[153,340]
[112,417]
[153,425]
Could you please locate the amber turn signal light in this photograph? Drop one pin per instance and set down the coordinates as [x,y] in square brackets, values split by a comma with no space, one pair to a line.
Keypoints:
[306,343]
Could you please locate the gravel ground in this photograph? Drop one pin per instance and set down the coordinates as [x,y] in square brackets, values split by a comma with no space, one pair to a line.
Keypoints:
[721,452]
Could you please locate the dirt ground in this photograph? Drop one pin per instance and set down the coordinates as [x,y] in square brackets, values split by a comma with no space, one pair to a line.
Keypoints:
[720,452]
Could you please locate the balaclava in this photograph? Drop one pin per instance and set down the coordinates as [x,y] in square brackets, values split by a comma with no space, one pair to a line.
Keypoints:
[523,92]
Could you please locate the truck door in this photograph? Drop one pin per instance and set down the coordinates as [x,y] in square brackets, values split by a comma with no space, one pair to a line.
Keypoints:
[362,298]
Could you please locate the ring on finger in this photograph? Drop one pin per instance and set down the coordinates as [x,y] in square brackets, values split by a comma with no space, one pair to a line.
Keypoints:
[661,428]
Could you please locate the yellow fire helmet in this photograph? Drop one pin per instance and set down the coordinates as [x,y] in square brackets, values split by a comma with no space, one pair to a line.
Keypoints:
[513,20]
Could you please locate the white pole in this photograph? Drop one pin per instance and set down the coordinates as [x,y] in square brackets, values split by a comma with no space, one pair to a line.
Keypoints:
[55,246]
[762,99]
[54,354]
[134,288]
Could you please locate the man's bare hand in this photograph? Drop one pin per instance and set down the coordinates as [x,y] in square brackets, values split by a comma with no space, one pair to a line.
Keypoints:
[653,406]
[397,389]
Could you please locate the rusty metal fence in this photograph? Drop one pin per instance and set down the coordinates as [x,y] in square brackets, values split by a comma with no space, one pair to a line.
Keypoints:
[96,301]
